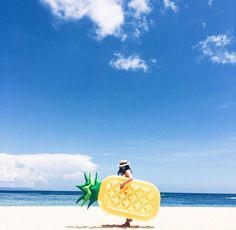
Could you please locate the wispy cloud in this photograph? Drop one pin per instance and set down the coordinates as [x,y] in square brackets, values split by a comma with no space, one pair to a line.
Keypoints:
[133,62]
[138,11]
[210,2]
[233,138]
[39,170]
[215,48]
[140,7]
[203,25]
[171,5]
[227,105]
[108,16]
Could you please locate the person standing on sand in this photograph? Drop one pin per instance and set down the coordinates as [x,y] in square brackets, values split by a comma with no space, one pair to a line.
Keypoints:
[125,170]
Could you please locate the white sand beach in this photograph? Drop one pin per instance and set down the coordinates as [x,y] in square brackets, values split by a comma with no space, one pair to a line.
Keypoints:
[72,218]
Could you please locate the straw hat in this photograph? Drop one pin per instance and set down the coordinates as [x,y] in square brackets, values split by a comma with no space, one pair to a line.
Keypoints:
[123,163]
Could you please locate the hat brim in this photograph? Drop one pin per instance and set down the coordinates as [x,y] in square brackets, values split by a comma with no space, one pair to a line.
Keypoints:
[123,165]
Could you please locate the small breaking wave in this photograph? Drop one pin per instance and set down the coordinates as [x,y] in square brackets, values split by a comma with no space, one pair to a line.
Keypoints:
[231,198]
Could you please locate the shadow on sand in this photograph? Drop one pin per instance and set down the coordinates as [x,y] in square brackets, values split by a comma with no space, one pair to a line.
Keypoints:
[108,226]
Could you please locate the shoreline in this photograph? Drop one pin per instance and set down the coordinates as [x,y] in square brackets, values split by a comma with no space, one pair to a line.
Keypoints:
[70,217]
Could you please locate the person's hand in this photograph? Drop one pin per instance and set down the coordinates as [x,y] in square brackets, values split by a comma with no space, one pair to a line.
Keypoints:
[122,185]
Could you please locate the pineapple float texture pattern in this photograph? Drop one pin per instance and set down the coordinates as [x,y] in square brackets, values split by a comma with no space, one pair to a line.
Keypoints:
[137,200]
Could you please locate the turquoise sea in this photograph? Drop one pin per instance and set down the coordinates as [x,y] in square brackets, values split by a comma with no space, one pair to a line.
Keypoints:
[67,198]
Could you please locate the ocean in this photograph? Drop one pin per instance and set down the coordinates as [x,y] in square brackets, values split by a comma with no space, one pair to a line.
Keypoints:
[66,198]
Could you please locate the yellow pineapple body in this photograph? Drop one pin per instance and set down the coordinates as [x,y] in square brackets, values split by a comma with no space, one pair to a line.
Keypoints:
[137,200]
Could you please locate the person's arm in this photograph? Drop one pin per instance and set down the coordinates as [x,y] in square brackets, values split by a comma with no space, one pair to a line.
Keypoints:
[128,174]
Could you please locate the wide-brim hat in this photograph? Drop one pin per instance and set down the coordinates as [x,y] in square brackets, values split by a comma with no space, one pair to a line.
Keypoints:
[123,163]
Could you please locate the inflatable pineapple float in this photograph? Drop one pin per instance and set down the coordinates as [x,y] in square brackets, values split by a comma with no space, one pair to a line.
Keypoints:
[137,200]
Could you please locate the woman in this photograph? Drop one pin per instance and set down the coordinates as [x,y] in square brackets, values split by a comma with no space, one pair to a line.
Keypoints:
[125,170]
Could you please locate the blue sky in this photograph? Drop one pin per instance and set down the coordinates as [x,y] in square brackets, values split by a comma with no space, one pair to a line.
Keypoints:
[148,81]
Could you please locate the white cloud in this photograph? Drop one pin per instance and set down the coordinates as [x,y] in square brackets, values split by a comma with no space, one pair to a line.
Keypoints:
[210,2]
[137,12]
[171,5]
[140,7]
[214,47]
[133,62]
[39,170]
[108,16]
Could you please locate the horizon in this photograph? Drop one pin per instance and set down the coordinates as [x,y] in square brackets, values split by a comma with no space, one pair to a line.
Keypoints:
[2,189]
[83,86]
